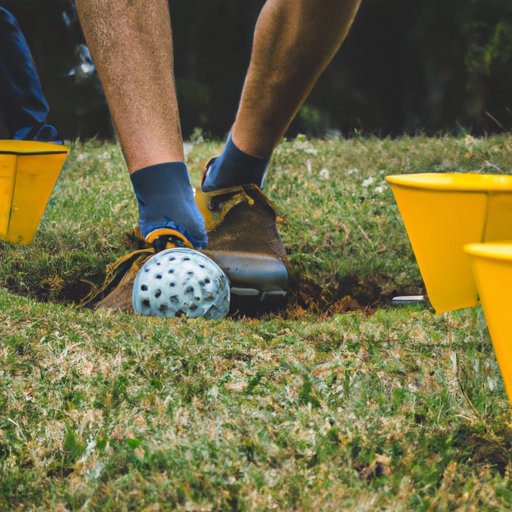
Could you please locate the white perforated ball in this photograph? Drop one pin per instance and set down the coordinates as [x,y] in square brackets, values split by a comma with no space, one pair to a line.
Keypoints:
[179,282]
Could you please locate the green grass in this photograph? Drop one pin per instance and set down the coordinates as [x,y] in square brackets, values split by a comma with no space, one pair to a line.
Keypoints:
[316,408]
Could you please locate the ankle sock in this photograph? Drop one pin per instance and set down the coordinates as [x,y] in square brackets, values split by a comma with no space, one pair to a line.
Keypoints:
[234,167]
[166,200]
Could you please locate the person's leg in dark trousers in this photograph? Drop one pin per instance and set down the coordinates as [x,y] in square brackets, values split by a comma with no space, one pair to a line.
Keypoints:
[22,102]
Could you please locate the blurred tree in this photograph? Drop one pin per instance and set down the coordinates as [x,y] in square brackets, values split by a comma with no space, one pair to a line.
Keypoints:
[407,66]
[487,28]
[212,50]
[414,66]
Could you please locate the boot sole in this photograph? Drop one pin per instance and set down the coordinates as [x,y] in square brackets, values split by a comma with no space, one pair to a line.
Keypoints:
[259,282]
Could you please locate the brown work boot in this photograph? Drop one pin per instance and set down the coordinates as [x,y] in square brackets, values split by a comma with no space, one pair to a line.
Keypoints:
[115,294]
[244,242]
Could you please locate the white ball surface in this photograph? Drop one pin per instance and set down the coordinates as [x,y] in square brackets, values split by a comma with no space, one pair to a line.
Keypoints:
[179,282]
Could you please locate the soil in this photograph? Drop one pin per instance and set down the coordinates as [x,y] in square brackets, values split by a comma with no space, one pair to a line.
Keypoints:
[350,294]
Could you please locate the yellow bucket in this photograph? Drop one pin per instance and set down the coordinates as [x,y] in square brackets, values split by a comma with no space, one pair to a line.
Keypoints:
[28,173]
[442,213]
[492,267]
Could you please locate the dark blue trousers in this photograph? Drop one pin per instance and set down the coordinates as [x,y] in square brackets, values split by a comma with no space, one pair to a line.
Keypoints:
[23,107]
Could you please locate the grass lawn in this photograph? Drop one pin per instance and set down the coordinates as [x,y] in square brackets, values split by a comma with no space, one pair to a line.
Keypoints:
[338,403]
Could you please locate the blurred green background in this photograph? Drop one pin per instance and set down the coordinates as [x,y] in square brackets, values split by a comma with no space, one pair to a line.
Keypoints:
[408,66]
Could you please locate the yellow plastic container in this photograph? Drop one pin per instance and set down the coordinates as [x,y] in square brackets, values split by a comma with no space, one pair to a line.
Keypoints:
[492,267]
[442,213]
[28,173]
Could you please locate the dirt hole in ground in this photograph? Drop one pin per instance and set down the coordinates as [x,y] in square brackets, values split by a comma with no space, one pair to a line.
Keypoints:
[71,285]
[351,293]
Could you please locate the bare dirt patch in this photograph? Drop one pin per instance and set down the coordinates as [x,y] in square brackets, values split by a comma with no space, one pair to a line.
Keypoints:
[352,293]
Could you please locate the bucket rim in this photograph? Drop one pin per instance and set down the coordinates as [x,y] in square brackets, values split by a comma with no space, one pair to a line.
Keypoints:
[500,251]
[31,147]
[453,182]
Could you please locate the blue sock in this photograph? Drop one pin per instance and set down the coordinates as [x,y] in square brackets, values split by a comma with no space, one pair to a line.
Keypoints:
[234,167]
[166,200]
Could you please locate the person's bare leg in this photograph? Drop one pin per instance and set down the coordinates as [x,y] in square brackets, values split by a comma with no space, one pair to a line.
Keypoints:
[131,44]
[132,48]
[294,41]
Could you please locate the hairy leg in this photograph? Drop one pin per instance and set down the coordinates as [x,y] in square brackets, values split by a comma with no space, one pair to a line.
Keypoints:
[294,42]
[131,45]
